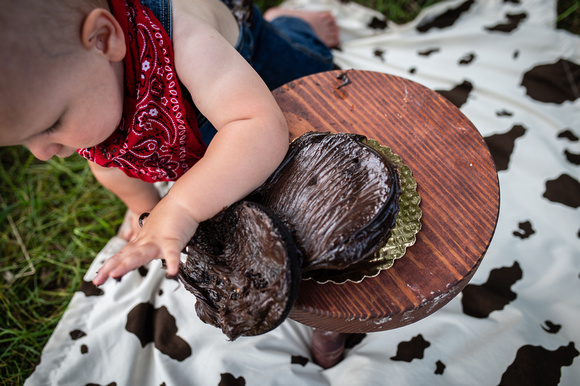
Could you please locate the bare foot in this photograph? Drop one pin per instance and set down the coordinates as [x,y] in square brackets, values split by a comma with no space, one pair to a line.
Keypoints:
[322,22]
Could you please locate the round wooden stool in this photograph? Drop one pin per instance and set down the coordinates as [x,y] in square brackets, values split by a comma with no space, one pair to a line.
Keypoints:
[459,191]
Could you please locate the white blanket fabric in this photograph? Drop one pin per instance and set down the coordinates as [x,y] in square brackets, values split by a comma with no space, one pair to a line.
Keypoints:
[517,79]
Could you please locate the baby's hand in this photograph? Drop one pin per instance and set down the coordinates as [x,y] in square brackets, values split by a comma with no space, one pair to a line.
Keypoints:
[164,235]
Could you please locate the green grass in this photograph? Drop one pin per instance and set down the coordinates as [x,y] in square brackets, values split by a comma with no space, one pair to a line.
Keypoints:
[54,219]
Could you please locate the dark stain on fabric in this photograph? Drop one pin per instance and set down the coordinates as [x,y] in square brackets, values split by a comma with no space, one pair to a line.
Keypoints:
[228,379]
[574,159]
[564,190]
[428,51]
[458,95]
[413,349]
[554,82]
[446,19]
[504,113]
[551,328]
[143,270]
[536,365]
[379,54]
[569,135]
[376,23]
[525,231]
[353,340]
[439,367]
[77,334]
[89,289]
[299,360]
[481,300]
[512,23]
[157,325]
[502,146]
[467,59]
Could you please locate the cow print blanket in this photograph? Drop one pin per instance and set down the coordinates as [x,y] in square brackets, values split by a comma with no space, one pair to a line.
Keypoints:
[517,79]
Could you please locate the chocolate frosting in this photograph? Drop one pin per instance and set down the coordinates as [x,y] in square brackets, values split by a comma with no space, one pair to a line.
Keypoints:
[331,203]
[338,196]
[243,268]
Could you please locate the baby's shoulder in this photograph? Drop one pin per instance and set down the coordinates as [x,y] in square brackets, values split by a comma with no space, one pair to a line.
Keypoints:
[191,15]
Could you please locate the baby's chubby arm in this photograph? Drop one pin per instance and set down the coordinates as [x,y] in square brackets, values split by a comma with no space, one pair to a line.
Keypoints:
[252,140]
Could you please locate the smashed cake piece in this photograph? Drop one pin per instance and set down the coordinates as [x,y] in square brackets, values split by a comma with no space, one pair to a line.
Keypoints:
[244,270]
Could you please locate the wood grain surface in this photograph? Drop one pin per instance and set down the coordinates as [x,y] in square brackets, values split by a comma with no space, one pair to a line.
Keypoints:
[456,179]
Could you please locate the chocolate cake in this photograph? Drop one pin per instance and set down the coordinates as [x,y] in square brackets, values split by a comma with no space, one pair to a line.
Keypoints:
[338,196]
[243,268]
[331,203]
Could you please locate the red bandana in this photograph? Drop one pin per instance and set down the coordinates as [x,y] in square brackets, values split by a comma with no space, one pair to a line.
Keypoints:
[157,138]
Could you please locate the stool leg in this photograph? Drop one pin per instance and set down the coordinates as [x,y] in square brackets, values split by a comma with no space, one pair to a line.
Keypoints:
[327,347]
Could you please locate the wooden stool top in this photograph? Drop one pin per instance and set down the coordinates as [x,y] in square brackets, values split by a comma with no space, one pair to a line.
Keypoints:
[456,179]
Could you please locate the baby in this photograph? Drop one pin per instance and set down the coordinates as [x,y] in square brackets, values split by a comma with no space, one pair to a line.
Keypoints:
[157,90]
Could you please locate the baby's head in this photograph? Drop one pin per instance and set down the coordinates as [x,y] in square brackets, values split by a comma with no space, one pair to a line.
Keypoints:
[61,79]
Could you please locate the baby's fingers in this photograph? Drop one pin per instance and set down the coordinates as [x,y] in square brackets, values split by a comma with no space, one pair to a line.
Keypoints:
[121,263]
[133,256]
[172,264]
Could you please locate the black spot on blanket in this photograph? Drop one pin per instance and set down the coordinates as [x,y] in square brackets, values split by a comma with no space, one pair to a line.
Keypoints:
[574,159]
[512,23]
[439,367]
[446,19]
[481,300]
[564,190]
[536,365]
[502,146]
[229,380]
[458,95]
[467,59]
[143,270]
[413,349]
[428,51]
[504,113]
[377,23]
[89,289]
[551,327]
[299,360]
[157,325]
[525,231]
[379,54]
[353,339]
[77,334]
[553,83]
[569,135]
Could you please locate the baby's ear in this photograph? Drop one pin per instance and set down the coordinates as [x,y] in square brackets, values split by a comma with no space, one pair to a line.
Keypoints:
[102,31]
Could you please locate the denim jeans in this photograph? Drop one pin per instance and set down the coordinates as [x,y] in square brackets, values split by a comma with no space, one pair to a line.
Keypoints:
[280,51]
